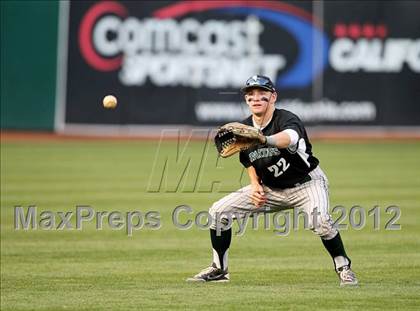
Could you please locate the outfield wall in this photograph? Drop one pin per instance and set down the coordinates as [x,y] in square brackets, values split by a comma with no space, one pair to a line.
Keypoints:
[179,64]
[28,64]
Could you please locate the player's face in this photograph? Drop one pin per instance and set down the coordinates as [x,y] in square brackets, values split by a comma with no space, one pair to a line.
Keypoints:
[259,100]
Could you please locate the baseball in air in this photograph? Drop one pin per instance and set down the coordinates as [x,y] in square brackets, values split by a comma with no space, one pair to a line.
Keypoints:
[110,102]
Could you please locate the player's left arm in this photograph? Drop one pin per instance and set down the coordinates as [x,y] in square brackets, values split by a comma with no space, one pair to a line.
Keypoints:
[283,139]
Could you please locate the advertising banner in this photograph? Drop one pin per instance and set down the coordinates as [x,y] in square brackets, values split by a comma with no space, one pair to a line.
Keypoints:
[184,62]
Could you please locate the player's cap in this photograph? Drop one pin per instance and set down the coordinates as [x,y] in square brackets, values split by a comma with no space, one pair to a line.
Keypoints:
[257,81]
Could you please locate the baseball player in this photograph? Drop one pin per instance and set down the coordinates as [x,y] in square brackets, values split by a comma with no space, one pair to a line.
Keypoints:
[283,174]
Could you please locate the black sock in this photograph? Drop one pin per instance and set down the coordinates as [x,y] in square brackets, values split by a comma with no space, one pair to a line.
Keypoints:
[221,243]
[335,247]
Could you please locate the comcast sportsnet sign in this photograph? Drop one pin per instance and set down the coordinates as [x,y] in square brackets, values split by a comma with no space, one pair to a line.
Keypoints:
[176,46]
[183,62]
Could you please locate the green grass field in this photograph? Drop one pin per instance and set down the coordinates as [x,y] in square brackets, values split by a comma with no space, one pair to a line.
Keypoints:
[105,269]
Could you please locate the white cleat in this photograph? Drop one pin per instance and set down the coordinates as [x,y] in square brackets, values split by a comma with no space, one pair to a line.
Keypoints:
[210,274]
[347,276]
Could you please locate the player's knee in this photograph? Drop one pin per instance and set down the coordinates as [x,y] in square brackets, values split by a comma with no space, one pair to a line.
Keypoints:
[324,228]
[221,221]
[217,207]
[220,217]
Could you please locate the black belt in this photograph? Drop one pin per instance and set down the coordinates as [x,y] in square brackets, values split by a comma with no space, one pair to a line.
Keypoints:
[304,180]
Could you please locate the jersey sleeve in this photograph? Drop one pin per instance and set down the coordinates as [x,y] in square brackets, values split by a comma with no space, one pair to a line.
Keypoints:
[243,158]
[295,124]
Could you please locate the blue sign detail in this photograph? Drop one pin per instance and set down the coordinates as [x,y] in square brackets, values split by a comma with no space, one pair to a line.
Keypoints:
[308,63]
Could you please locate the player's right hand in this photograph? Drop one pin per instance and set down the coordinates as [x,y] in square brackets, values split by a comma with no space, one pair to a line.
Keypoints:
[257,195]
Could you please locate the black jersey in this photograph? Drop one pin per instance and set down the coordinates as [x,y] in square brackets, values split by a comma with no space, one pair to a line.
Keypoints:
[281,168]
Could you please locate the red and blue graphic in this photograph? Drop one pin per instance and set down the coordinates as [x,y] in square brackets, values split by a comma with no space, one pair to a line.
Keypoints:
[312,42]
[296,21]
[85,35]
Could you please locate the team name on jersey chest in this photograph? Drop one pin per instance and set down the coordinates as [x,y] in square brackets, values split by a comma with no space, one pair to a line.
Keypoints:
[263,153]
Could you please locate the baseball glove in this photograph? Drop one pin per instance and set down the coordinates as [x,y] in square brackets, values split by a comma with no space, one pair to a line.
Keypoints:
[234,137]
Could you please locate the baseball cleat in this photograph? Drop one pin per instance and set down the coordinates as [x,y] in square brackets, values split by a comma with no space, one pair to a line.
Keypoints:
[347,276]
[211,274]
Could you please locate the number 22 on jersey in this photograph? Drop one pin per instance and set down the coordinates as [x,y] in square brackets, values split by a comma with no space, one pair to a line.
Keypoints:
[279,168]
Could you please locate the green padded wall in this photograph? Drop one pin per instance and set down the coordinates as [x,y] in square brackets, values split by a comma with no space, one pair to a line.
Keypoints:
[28,64]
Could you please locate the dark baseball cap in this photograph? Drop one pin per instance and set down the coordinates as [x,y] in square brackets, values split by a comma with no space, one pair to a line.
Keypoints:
[260,82]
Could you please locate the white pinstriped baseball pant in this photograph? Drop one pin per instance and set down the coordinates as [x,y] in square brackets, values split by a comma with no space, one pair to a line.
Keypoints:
[310,197]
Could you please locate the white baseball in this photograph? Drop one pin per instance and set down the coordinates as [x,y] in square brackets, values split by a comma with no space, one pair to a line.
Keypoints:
[110,102]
